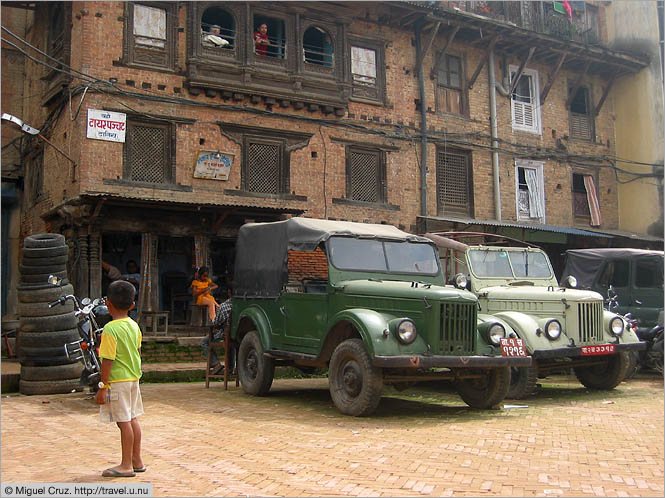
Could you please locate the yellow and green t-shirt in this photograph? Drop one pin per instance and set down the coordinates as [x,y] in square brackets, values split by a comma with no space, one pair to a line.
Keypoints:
[121,342]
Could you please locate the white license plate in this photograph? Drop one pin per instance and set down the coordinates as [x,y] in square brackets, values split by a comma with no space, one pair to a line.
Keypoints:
[511,346]
[600,349]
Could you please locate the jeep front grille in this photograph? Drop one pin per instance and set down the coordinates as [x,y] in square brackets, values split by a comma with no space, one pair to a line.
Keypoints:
[590,321]
[457,328]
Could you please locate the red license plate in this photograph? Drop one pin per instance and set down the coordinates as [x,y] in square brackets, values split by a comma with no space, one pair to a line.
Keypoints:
[601,349]
[511,346]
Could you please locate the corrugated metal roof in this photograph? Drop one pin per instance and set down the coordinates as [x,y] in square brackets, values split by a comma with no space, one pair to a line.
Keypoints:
[495,223]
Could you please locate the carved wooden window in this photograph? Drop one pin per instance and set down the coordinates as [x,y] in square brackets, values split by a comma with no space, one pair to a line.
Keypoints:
[580,202]
[449,85]
[525,108]
[453,182]
[365,175]
[367,70]
[318,47]
[276,46]
[150,34]
[218,29]
[264,166]
[147,152]
[581,116]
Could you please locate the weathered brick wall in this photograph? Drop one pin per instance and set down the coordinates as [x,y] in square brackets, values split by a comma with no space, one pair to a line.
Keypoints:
[306,264]
[317,170]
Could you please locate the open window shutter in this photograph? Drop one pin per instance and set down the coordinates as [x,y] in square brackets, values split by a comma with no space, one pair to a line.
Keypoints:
[518,113]
[592,198]
[529,115]
[536,208]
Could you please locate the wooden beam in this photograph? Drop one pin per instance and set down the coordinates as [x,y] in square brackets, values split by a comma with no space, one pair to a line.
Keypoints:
[428,45]
[449,42]
[577,84]
[552,77]
[520,71]
[482,62]
[606,92]
[220,219]
[95,213]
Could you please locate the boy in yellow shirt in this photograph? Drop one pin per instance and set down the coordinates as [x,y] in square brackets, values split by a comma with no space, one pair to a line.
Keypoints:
[119,396]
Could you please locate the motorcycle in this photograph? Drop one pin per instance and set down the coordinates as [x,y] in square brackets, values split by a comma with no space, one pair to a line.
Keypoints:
[92,316]
[652,357]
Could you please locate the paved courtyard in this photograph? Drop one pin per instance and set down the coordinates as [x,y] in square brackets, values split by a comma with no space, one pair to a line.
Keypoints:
[211,442]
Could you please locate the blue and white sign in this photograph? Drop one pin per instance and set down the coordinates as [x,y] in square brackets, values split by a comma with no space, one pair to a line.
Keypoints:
[213,165]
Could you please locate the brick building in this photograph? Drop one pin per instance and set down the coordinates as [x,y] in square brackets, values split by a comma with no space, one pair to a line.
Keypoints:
[425,115]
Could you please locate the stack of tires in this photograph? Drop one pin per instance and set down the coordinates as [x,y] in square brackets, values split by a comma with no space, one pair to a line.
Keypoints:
[43,331]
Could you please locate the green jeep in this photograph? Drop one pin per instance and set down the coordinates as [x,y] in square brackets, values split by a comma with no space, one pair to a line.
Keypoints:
[562,328]
[367,302]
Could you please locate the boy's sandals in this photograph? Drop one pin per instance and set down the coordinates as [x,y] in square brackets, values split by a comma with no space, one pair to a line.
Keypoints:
[117,473]
[140,469]
[217,369]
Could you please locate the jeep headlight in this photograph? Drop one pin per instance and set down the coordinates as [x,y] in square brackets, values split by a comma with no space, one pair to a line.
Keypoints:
[406,331]
[616,326]
[553,330]
[461,281]
[495,333]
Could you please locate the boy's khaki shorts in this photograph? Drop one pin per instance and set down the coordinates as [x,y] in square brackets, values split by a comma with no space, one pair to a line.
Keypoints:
[123,402]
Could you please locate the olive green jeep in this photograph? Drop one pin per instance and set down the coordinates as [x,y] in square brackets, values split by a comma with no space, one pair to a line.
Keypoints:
[562,327]
[367,302]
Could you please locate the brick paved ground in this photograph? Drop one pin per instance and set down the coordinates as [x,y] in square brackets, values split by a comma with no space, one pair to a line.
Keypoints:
[198,442]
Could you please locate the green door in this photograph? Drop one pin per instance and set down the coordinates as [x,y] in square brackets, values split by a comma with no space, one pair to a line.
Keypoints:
[647,293]
[305,316]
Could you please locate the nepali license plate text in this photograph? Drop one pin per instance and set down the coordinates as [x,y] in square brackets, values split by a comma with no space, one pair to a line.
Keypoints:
[601,349]
[511,346]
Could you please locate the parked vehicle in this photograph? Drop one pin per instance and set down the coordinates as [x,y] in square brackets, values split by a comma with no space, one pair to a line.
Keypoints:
[369,303]
[92,316]
[562,328]
[636,276]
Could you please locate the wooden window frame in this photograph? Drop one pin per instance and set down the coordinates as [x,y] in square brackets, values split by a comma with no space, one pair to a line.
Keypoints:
[443,208]
[379,49]
[382,192]
[283,168]
[588,116]
[130,55]
[540,168]
[583,219]
[535,102]
[169,151]
[461,89]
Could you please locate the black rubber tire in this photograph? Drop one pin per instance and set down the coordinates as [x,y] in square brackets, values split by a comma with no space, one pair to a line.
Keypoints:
[46,261]
[355,384]
[39,278]
[48,323]
[44,240]
[633,365]
[47,295]
[45,361]
[55,372]
[42,309]
[487,391]
[39,286]
[41,351]
[47,339]
[256,372]
[37,270]
[523,381]
[49,386]
[37,253]
[606,374]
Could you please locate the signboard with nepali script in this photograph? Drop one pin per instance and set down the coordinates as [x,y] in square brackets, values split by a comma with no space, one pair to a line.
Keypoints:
[106,125]
[213,165]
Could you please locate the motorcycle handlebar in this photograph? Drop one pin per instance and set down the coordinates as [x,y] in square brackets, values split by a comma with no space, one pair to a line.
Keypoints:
[58,301]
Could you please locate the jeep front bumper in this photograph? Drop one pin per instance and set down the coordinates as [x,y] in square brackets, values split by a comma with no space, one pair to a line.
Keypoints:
[450,361]
[577,350]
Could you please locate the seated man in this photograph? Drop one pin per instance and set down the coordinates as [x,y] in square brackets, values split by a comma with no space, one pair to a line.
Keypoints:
[213,39]
[219,323]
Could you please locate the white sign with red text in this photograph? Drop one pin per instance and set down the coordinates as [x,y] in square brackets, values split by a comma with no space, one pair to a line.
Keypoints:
[106,125]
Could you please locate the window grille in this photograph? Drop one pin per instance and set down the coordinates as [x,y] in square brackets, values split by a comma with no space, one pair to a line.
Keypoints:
[365,175]
[147,152]
[263,168]
[453,178]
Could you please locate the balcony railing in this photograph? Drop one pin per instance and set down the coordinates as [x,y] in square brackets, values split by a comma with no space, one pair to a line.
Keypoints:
[539,16]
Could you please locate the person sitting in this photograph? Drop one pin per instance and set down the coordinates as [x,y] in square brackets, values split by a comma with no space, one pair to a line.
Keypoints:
[219,325]
[261,41]
[213,39]
[202,288]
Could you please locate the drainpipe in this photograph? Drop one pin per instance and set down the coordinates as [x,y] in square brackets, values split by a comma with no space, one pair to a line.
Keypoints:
[495,134]
[423,125]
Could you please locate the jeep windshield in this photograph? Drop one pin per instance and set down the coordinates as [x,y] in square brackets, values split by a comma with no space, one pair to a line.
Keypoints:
[372,255]
[509,264]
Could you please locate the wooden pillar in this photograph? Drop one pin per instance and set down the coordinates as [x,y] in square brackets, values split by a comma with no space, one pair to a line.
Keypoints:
[82,287]
[95,265]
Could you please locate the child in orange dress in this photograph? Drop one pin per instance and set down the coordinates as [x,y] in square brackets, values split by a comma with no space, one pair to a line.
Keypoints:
[202,287]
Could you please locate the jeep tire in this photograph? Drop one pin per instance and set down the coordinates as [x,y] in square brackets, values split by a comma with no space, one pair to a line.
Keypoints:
[605,375]
[523,381]
[49,386]
[486,391]
[355,384]
[256,372]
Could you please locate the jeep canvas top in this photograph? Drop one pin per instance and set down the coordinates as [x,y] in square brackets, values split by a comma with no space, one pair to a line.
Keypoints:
[562,328]
[369,303]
